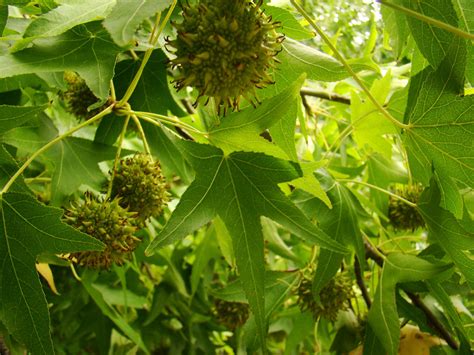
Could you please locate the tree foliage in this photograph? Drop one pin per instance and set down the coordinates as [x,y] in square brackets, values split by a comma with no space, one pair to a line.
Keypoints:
[285,226]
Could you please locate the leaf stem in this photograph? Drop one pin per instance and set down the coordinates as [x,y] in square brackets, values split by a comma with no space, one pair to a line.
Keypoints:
[344,62]
[155,34]
[443,25]
[146,146]
[117,156]
[409,203]
[51,143]
[113,95]
[153,118]
[37,180]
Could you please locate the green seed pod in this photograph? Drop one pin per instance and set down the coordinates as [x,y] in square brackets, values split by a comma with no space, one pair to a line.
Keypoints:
[334,297]
[403,216]
[108,222]
[141,186]
[231,314]
[79,97]
[225,49]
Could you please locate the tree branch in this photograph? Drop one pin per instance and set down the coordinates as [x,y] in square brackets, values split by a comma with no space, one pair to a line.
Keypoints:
[376,255]
[325,96]
[361,284]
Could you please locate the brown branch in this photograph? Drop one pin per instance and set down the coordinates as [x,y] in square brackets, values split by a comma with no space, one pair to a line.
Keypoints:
[361,284]
[325,96]
[376,255]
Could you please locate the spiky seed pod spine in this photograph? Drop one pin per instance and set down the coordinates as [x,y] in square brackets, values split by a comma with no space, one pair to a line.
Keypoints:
[141,186]
[231,314]
[334,297]
[108,222]
[226,50]
[403,216]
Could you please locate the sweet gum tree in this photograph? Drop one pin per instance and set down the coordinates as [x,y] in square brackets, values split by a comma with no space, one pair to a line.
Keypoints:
[307,189]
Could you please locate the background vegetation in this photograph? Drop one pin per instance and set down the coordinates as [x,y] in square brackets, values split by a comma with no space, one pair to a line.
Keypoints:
[336,213]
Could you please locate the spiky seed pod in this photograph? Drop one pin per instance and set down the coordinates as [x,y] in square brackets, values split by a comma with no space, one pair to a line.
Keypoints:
[231,314]
[108,222]
[141,186]
[225,49]
[334,297]
[403,216]
[78,96]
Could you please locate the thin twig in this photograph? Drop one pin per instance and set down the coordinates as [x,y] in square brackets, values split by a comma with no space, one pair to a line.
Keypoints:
[325,95]
[117,156]
[361,283]
[146,146]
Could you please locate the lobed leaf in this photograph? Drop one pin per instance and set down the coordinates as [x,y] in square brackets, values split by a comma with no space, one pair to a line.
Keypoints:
[86,49]
[28,229]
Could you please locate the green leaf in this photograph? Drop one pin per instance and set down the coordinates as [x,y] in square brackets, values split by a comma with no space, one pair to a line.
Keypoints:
[289,25]
[27,229]
[163,145]
[15,116]
[453,236]
[240,131]
[370,126]
[382,173]
[225,242]
[309,183]
[76,162]
[127,15]
[205,252]
[240,188]
[152,93]
[280,285]
[65,17]
[383,316]
[283,131]
[88,277]
[22,81]
[3,18]
[8,167]
[340,222]
[438,291]
[466,19]
[442,122]
[275,242]
[297,58]
[432,41]
[86,49]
